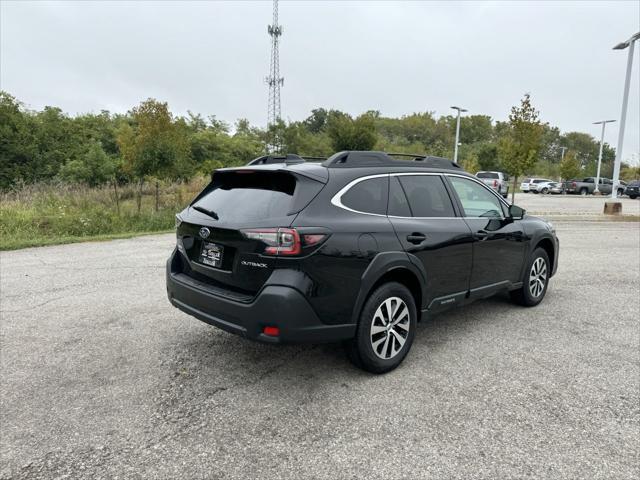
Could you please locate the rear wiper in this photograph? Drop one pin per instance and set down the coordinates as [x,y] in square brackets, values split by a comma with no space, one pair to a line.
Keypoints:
[210,213]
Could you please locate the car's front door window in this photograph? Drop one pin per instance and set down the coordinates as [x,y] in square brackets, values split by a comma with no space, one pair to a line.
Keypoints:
[476,200]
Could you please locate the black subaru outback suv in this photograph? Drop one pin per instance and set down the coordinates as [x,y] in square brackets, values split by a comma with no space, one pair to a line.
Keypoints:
[358,248]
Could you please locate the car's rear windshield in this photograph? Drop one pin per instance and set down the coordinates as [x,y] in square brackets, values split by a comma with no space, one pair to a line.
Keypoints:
[248,195]
[487,175]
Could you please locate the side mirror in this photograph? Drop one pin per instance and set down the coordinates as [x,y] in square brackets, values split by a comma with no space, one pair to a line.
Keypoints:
[516,212]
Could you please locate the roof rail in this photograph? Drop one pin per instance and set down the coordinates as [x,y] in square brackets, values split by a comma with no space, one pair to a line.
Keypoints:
[289,159]
[353,159]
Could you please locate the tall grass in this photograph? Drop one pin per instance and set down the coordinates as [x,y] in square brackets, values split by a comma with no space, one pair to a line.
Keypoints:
[44,214]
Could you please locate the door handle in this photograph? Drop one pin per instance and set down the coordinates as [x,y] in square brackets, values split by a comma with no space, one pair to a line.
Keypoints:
[416,238]
[481,235]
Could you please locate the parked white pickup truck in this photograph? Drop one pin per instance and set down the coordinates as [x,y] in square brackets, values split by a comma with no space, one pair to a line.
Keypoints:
[496,180]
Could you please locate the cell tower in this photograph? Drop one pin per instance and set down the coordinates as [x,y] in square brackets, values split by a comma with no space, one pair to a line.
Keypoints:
[274,80]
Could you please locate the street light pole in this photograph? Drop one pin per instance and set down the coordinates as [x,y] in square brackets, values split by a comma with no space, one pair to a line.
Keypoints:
[455,150]
[563,149]
[603,122]
[623,116]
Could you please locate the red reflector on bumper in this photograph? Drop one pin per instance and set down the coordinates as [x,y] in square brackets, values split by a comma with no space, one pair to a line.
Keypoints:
[271,331]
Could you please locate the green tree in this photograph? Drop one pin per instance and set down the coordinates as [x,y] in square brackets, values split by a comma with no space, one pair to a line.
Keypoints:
[569,166]
[470,163]
[93,168]
[518,149]
[488,156]
[349,134]
[154,145]
[18,149]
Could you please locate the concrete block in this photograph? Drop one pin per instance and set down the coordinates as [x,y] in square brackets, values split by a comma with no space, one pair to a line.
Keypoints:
[612,207]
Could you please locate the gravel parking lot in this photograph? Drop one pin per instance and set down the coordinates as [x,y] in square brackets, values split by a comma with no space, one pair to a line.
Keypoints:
[102,378]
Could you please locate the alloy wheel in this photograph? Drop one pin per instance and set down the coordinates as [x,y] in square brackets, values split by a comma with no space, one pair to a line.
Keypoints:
[390,328]
[538,277]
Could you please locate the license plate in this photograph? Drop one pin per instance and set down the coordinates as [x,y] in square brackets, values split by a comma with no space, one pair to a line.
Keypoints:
[211,254]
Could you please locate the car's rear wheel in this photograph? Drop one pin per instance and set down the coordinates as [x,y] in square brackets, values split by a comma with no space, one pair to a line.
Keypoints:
[583,191]
[386,329]
[545,190]
[633,197]
[535,281]
[620,192]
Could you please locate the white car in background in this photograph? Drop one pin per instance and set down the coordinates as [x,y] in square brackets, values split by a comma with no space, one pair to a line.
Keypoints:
[542,187]
[531,185]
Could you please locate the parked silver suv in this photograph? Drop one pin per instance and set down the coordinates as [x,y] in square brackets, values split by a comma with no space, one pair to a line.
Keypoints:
[496,180]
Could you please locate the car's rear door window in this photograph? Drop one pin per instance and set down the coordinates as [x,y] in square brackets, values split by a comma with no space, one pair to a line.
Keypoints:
[368,196]
[398,203]
[426,195]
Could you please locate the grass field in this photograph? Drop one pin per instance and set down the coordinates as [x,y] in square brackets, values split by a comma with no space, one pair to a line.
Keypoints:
[52,214]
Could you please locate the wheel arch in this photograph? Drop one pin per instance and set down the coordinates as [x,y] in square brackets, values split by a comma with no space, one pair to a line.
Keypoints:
[547,245]
[391,267]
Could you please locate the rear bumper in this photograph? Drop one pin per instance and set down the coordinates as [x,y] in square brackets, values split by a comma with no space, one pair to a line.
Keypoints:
[280,306]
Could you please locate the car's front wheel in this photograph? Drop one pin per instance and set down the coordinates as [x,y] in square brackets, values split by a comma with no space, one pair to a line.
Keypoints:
[535,281]
[386,329]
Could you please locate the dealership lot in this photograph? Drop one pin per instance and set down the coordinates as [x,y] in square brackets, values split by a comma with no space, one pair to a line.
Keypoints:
[102,378]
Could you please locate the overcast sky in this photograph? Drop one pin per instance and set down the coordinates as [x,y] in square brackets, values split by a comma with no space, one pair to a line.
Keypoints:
[212,57]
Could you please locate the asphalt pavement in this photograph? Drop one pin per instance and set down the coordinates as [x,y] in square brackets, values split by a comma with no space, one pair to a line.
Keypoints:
[559,206]
[102,378]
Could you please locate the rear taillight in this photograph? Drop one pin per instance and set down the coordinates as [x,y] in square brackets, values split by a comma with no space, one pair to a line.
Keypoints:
[495,183]
[283,241]
[279,241]
[574,184]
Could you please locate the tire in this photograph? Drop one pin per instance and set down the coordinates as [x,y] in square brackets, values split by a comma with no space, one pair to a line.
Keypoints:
[584,192]
[545,191]
[620,192]
[374,352]
[633,197]
[533,289]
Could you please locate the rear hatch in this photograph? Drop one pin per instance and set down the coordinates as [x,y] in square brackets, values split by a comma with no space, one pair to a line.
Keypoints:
[224,235]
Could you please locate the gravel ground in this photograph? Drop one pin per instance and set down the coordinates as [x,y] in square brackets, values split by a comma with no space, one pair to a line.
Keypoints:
[102,378]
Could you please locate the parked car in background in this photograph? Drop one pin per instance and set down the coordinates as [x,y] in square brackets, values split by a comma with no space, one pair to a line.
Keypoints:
[587,186]
[556,188]
[530,184]
[496,180]
[541,187]
[633,189]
